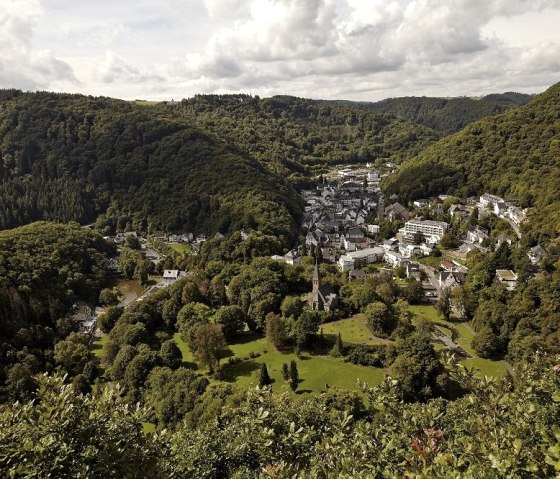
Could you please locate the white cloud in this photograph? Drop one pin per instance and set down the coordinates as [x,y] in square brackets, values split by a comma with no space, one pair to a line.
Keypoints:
[20,65]
[112,68]
[356,49]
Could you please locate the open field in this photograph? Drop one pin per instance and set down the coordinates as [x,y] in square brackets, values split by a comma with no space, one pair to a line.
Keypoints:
[316,372]
[352,330]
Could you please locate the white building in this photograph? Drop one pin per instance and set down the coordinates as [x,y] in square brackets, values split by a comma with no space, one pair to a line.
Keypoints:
[361,258]
[170,276]
[427,227]
[488,201]
[507,277]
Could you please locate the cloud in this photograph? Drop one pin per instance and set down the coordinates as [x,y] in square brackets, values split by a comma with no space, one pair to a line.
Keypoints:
[355,49]
[20,65]
[113,68]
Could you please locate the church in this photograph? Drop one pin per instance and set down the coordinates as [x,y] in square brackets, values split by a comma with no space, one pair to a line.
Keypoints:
[323,297]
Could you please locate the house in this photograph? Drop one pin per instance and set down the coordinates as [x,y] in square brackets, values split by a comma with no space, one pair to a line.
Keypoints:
[292,258]
[413,270]
[410,250]
[323,297]
[356,275]
[466,248]
[346,263]
[457,211]
[396,211]
[170,276]
[390,245]
[503,238]
[488,201]
[329,253]
[395,259]
[372,229]
[500,208]
[517,215]
[219,235]
[507,277]
[447,265]
[477,235]
[423,203]
[451,279]
[537,254]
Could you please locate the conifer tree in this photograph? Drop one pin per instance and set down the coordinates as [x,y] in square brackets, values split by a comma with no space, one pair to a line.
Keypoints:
[338,348]
[264,378]
[285,372]
[294,376]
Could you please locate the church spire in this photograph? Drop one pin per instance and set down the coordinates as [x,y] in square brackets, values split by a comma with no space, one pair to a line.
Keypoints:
[316,277]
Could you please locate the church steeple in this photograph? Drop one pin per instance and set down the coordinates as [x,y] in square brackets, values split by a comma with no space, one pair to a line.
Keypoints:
[316,278]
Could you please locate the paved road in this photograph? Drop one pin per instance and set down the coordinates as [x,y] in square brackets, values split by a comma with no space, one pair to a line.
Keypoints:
[430,272]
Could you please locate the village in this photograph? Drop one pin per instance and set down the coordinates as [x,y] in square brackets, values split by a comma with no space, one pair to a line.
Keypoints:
[349,221]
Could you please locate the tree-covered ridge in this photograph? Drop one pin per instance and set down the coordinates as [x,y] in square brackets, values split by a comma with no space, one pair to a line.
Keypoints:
[69,157]
[513,154]
[291,134]
[446,115]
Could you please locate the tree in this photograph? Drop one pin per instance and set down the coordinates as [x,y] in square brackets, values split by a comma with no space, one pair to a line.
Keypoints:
[486,343]
[276,330]
[170,354]
[413,292]
[306,326]
[418,238]
[294,376]
[285,371]
[292,307]
[231,319]
[90,372]
[209,345]
[338,348]
[189,318]
[108,297]
[380,319]
[72,353]
[142,271]
[107,319]
[444,305]
[264,377]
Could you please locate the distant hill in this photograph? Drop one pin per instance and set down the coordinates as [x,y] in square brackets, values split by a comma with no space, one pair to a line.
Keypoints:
[448,115]
[297,136]
[516,154]
[509,98]
[71,157]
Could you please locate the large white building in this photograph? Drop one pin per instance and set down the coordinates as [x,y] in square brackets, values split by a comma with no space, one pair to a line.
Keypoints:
[427,227]
[361,258]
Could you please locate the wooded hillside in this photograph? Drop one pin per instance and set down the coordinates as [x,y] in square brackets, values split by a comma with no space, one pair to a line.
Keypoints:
[69,157]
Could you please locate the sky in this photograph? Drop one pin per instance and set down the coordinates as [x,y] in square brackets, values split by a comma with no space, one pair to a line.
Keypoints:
[331,49]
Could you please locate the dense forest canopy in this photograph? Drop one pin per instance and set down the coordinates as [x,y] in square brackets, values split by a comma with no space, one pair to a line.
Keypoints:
[513,154]
[448,115]
[70,157]
[44,269]
[295,135]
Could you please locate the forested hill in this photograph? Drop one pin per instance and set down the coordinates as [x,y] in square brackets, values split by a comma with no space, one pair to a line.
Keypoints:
[448,115]
[513,154]
[69,157]
[296,136]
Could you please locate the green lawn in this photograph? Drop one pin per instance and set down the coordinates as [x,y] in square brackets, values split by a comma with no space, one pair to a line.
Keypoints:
[180,248]
[352,330]
[315,371]
[99,346]
[486,367]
